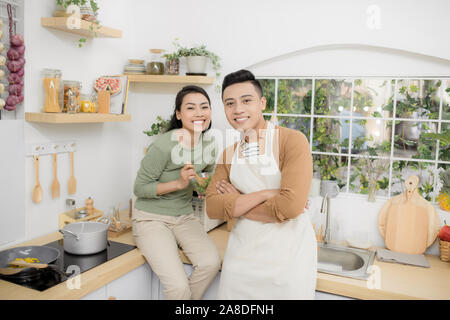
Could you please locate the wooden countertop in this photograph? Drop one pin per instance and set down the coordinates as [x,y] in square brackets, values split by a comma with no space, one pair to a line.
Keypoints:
[396,281]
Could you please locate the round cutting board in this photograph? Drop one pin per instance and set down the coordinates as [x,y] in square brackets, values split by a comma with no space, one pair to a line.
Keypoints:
[407,222]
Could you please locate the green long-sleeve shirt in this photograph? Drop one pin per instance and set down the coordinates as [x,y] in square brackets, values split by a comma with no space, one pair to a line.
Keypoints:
[163,163]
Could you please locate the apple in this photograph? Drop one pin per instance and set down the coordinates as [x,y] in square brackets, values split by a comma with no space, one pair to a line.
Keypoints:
[444,234]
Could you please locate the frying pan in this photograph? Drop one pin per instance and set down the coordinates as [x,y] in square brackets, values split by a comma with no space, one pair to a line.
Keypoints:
[42,253]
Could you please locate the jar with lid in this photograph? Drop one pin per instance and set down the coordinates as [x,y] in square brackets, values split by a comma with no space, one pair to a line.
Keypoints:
[88,103]
[51,80]
[156,64]
[72,96]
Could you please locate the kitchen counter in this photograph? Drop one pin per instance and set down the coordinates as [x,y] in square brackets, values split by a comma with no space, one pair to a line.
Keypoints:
[395,281]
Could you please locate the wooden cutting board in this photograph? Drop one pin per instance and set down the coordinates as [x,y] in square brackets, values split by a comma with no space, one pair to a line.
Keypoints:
[407,222]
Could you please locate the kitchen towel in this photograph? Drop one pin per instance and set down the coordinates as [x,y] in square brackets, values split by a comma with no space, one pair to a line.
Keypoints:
[403,258]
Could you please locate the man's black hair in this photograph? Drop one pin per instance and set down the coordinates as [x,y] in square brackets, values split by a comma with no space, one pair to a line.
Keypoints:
[241,76]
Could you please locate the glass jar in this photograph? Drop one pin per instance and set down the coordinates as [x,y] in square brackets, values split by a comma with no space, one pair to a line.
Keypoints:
[51,80]
[88,103]
[173,66]
[72,96]
[156,64]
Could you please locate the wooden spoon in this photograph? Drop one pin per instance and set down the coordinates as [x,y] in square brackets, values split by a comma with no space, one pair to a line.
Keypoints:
[29,264]
[37,190]
[200,180]
[55,184]
[72,184]
[11,271]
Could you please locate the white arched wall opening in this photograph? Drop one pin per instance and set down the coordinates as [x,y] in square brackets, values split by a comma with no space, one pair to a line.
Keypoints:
[352,60]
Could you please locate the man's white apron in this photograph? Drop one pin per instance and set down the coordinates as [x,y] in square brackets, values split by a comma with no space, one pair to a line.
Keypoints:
[267,260]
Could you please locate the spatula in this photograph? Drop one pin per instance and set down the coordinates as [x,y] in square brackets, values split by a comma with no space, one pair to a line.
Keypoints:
[29,264]
[72,184]
[55,184]
[36,195]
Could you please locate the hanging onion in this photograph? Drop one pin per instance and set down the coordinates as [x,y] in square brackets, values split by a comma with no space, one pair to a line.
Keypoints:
[15,65]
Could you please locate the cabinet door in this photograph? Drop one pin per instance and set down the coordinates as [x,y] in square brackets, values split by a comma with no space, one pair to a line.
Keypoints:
[99,294]
[135,285]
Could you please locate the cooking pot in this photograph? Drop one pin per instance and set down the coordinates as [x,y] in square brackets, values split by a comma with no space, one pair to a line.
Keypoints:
[84,238]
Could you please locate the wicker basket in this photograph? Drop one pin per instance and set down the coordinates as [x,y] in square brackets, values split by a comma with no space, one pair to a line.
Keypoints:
[444,248]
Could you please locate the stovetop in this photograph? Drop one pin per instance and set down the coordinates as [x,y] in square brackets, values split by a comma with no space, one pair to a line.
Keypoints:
[67,266]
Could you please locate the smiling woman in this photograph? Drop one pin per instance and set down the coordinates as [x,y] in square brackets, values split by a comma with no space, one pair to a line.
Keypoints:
[163,215]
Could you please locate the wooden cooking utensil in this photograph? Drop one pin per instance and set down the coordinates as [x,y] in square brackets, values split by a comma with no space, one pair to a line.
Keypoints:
[55,184]
[36,195]
[200,180]
[408,222]
[29,264]
[11,271]
[72,184]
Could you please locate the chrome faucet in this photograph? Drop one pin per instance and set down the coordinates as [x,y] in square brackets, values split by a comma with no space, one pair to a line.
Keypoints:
[325,208]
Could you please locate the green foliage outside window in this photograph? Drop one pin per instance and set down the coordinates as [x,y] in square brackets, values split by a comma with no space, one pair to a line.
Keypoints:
[414,99]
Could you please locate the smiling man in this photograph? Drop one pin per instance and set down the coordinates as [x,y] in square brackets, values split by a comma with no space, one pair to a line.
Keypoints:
[260,186]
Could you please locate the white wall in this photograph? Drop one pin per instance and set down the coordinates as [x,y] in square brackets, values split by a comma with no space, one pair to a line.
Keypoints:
[103,158]
[314,35]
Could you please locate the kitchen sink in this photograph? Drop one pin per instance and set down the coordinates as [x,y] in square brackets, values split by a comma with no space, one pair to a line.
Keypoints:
[344,261]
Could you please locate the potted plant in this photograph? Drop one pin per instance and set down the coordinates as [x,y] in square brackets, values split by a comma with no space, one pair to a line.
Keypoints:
[328,171]
[372,169]
[197,57]
[88,12]
[160,126]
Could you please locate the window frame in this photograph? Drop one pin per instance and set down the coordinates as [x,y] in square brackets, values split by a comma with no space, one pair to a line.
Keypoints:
[393,118]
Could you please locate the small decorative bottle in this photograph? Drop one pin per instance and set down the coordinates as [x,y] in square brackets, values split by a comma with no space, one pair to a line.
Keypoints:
[90,206]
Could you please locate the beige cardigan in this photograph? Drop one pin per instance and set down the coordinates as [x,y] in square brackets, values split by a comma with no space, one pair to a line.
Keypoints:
[296,167]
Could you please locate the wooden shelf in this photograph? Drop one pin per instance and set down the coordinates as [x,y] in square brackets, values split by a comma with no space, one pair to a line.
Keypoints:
[75,118]
[59,23]
[170,79]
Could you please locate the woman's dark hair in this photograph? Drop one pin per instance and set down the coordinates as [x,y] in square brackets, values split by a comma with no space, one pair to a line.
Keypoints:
[174,122]
[242,76]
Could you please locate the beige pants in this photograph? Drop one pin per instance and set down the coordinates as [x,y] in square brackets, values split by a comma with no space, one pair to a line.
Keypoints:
[157,237]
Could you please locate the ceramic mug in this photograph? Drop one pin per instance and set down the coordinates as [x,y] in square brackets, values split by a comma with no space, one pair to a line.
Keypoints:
[329,187]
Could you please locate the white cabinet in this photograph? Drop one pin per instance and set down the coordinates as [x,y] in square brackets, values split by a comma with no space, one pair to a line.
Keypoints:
[135,285]
[329,296]
[99,294]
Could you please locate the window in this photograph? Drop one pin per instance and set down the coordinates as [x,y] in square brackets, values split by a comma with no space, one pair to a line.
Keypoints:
[393,123]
